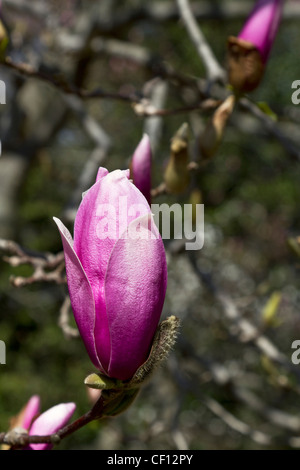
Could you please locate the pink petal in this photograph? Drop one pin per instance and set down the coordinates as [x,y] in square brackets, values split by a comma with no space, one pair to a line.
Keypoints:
[50,422]
[261,27]
[32,409]
[135,287]
[101,173]
[80,294]
[141,167]
[102,215]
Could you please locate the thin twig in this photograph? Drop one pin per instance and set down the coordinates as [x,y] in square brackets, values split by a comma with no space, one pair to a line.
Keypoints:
[140,105]
[64,318]
[272,127]
[246,331]
[236,424]
[213,69]
[47,266]
[58,81]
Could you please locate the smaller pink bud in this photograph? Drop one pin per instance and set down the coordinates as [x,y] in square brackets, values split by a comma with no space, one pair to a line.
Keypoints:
[43,424]
[140,170]
[50,422]
[248,53]
[262,24]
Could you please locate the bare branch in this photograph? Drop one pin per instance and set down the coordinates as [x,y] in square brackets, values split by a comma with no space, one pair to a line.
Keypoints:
[236,424]
[64,318]
[246,331]
[47,266]
[63,85]
[213,69]
[272,127]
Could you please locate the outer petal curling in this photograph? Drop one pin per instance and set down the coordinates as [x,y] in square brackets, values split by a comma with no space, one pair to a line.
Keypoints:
[32,409]
[102,172]
[81,294]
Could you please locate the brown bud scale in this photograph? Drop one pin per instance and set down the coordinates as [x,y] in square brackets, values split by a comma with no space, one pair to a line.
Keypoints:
[245,65]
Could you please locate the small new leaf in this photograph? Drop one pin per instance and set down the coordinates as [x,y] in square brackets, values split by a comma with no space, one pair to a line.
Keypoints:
[101,382]
[265,108]
[270,310]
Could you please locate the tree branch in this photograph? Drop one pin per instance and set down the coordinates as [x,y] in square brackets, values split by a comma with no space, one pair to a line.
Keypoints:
[213,69]
[47,266]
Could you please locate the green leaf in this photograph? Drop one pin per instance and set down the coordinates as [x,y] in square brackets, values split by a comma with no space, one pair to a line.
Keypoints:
[101,382]
[265,108]
[271,308]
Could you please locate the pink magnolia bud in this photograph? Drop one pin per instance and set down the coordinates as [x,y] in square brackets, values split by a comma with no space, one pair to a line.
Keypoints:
[261,27]
[116,273]
[248,53]
[140,170]
[50,422]
[47,423]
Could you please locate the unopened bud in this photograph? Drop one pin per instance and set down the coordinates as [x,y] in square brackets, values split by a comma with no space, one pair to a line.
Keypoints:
[245,65]
[140,167]
[212,136]
[177,175]
[249,52]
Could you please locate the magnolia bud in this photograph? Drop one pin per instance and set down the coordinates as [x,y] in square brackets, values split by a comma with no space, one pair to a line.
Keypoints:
[118,268]
[212,136]
[245,65]
[249,52]
[177,175]
[140,167]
